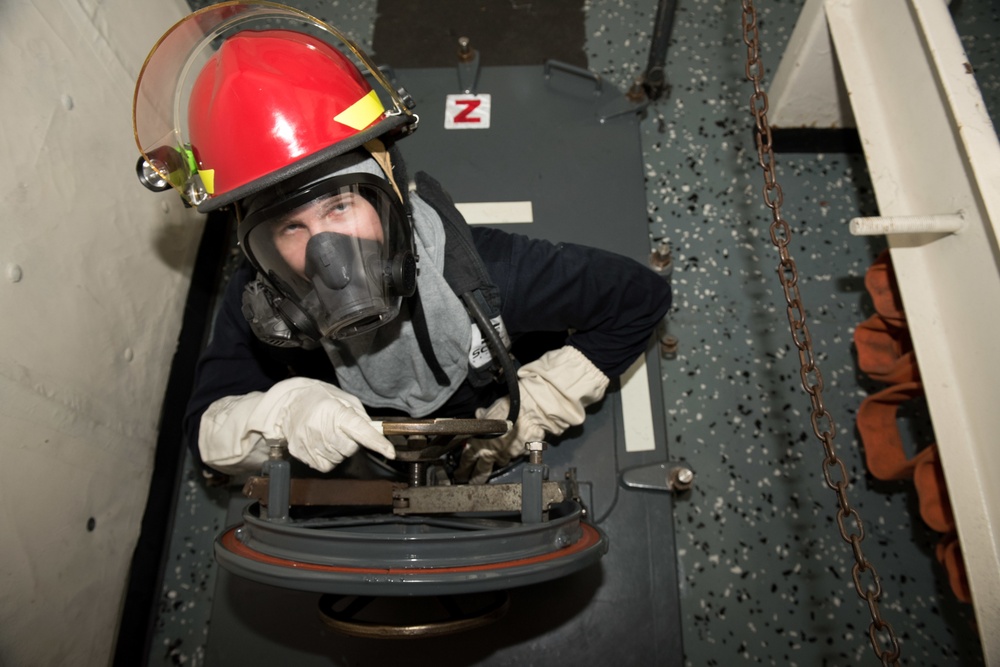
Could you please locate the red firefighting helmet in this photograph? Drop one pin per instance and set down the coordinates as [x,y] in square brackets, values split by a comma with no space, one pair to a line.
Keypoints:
[242,95]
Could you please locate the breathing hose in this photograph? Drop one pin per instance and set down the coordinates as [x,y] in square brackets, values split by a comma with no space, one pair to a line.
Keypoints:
[499,353]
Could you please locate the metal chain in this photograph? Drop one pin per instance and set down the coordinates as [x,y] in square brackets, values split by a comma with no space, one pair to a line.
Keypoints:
[880,632]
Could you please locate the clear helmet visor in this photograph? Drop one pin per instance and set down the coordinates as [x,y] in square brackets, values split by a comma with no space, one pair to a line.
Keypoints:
[340,250]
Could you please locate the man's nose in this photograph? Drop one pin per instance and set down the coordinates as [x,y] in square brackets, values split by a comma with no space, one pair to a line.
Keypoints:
[327,259]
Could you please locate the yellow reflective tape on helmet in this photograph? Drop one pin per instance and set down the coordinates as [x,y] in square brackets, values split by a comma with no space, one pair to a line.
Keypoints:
[208,180]
[360,115]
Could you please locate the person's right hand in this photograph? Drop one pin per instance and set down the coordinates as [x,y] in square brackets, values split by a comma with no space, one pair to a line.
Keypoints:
[321,424]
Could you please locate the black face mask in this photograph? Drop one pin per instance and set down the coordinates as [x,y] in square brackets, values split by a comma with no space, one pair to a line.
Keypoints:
[348,277]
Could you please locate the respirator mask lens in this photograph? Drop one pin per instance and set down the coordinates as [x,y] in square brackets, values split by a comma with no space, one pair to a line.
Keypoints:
[342,251]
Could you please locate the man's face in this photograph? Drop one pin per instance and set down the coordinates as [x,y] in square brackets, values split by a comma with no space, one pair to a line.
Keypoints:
[345,213]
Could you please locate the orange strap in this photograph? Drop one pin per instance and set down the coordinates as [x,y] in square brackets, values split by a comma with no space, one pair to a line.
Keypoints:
[949,554]
[880,435]
[928,477]
[885,354]
[880,280]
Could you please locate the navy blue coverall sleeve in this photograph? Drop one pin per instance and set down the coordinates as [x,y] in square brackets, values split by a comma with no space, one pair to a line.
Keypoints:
[610,304]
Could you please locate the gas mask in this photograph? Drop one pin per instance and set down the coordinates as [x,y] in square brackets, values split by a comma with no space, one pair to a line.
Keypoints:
[334,255]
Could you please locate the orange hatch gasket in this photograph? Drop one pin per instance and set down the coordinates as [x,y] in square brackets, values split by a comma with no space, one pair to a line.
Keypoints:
[230,542]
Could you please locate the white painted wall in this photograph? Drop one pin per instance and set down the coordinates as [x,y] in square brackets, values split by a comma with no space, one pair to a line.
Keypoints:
[94,271]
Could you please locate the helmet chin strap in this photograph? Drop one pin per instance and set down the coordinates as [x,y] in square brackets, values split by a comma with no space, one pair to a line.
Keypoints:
[381,156]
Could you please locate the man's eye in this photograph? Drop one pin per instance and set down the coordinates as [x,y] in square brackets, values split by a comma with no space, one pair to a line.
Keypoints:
[289,228]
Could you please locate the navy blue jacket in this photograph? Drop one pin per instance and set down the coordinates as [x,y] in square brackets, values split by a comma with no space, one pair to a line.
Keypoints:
[605,305]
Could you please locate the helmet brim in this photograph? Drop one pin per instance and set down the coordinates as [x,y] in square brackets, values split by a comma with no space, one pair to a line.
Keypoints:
[387,126]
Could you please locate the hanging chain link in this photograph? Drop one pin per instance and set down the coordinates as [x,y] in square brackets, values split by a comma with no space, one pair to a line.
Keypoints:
[880,632]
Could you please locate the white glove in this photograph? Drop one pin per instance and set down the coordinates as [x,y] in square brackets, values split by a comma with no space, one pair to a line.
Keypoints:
[555,390]
[322,425]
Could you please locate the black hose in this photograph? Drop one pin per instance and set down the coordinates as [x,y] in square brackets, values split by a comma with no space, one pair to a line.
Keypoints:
[499,353]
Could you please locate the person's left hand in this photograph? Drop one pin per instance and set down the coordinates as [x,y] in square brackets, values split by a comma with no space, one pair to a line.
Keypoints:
[555,390]
[481,456]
